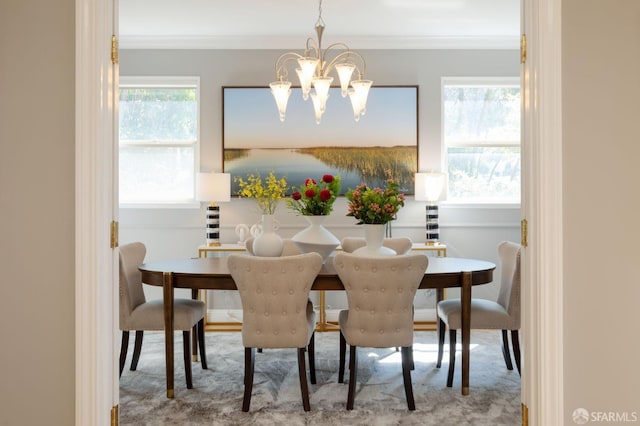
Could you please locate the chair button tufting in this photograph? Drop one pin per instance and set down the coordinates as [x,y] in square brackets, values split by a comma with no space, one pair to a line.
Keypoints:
[397,330]
[291,291]
[274,292]
[275,332]
[381,331]
[266,314]
[362,330]
[382,290]
[284,313]
[374,269]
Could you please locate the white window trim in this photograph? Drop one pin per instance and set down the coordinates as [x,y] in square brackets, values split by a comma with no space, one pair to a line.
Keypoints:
[170,82]
[506,81]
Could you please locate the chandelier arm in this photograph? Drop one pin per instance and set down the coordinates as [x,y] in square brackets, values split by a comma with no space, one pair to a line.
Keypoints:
[281,63]
[312,45]
[344,55]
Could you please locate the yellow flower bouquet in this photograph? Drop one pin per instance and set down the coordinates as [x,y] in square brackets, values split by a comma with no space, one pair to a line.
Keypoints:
[267,193]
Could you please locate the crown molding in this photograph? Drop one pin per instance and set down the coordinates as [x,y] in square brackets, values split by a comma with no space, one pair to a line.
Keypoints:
[357,42]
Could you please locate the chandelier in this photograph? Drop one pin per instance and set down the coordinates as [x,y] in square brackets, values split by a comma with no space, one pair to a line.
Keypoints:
[314,68]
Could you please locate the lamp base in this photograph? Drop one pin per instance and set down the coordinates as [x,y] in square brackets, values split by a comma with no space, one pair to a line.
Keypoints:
[216,244]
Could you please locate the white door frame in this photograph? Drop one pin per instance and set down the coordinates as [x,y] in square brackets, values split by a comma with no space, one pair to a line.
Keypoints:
[542,268]
[96,265]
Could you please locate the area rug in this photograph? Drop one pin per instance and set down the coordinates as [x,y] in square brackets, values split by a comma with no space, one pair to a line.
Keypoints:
[216,397]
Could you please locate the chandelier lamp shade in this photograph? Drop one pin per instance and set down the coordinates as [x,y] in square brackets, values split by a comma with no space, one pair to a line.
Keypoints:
[315,68]
[432,188]
[213,188]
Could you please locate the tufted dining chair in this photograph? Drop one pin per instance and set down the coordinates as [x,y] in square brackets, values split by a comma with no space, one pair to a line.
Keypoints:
[502,314]
[380,293]
[274,292]
[401,245]
[136,313]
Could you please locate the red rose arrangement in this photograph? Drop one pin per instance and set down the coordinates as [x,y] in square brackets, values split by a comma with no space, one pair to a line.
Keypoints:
[315,198]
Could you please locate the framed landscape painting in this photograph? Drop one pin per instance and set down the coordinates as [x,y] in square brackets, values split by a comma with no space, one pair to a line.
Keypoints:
[383,144]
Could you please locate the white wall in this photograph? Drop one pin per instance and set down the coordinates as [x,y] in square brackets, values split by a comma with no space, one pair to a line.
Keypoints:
[601,147]
[468,231]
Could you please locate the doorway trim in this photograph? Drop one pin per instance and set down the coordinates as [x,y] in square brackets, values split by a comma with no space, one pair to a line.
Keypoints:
[96,369]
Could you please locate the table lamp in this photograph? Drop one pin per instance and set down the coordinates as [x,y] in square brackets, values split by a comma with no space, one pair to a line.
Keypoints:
[214,188]
[431,187]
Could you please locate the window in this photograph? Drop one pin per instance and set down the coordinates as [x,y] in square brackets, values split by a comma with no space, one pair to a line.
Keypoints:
[159,134]
[481,128]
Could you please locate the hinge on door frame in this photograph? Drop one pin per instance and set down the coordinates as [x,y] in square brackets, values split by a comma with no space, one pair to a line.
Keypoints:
[524,232]
[523,48]
[114,49]
[525,415]
[114,416]
[114,234]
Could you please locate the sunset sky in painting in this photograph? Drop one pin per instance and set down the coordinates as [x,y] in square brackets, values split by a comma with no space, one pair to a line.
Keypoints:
[251,120]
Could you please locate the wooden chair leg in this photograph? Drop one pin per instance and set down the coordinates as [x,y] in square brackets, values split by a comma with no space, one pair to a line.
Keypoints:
[441,330]
[124,346]
[201,343]
[186,348]
[505,350]
[249,360]
[353,368]
[413,366]
[452,357]
[515,341]
[343,350]
[137,347]
[302,372]
[407,361]
[311,350]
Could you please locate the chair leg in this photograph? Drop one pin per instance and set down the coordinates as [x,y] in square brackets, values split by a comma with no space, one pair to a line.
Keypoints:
[505,350]
[249,360]
[441,331]
[201,343]
[353,368]
[407,362]
[343,350]
[186,347]
[413,366]
[311,350]
[137,347]
[302,372]
[515,341]
[452,357]
[124,346]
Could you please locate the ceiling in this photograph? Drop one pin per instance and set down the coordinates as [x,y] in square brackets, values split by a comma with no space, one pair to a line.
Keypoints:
[285,24]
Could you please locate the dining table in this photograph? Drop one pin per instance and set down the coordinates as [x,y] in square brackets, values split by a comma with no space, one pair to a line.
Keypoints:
[212,273]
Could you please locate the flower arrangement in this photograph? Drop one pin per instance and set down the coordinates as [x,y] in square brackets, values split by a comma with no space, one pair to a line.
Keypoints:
[315,198]
[266,193]
[375,205]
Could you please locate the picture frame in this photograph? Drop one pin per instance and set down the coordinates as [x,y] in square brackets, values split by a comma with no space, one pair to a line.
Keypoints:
[382,144]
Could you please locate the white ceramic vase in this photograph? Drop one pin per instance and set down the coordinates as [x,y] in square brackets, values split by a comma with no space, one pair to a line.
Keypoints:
[374,235]
[267,243]
[316,238]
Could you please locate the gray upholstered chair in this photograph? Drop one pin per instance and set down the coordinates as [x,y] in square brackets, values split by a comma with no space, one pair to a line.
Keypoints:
[502,314]
[401,245]
[136,313]
[275,310]
[380,293]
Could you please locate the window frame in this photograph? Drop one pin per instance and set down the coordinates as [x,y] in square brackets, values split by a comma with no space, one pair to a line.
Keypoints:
[495,81]
[167,82]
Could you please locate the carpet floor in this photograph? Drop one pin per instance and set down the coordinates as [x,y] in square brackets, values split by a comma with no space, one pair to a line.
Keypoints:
[216,397]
